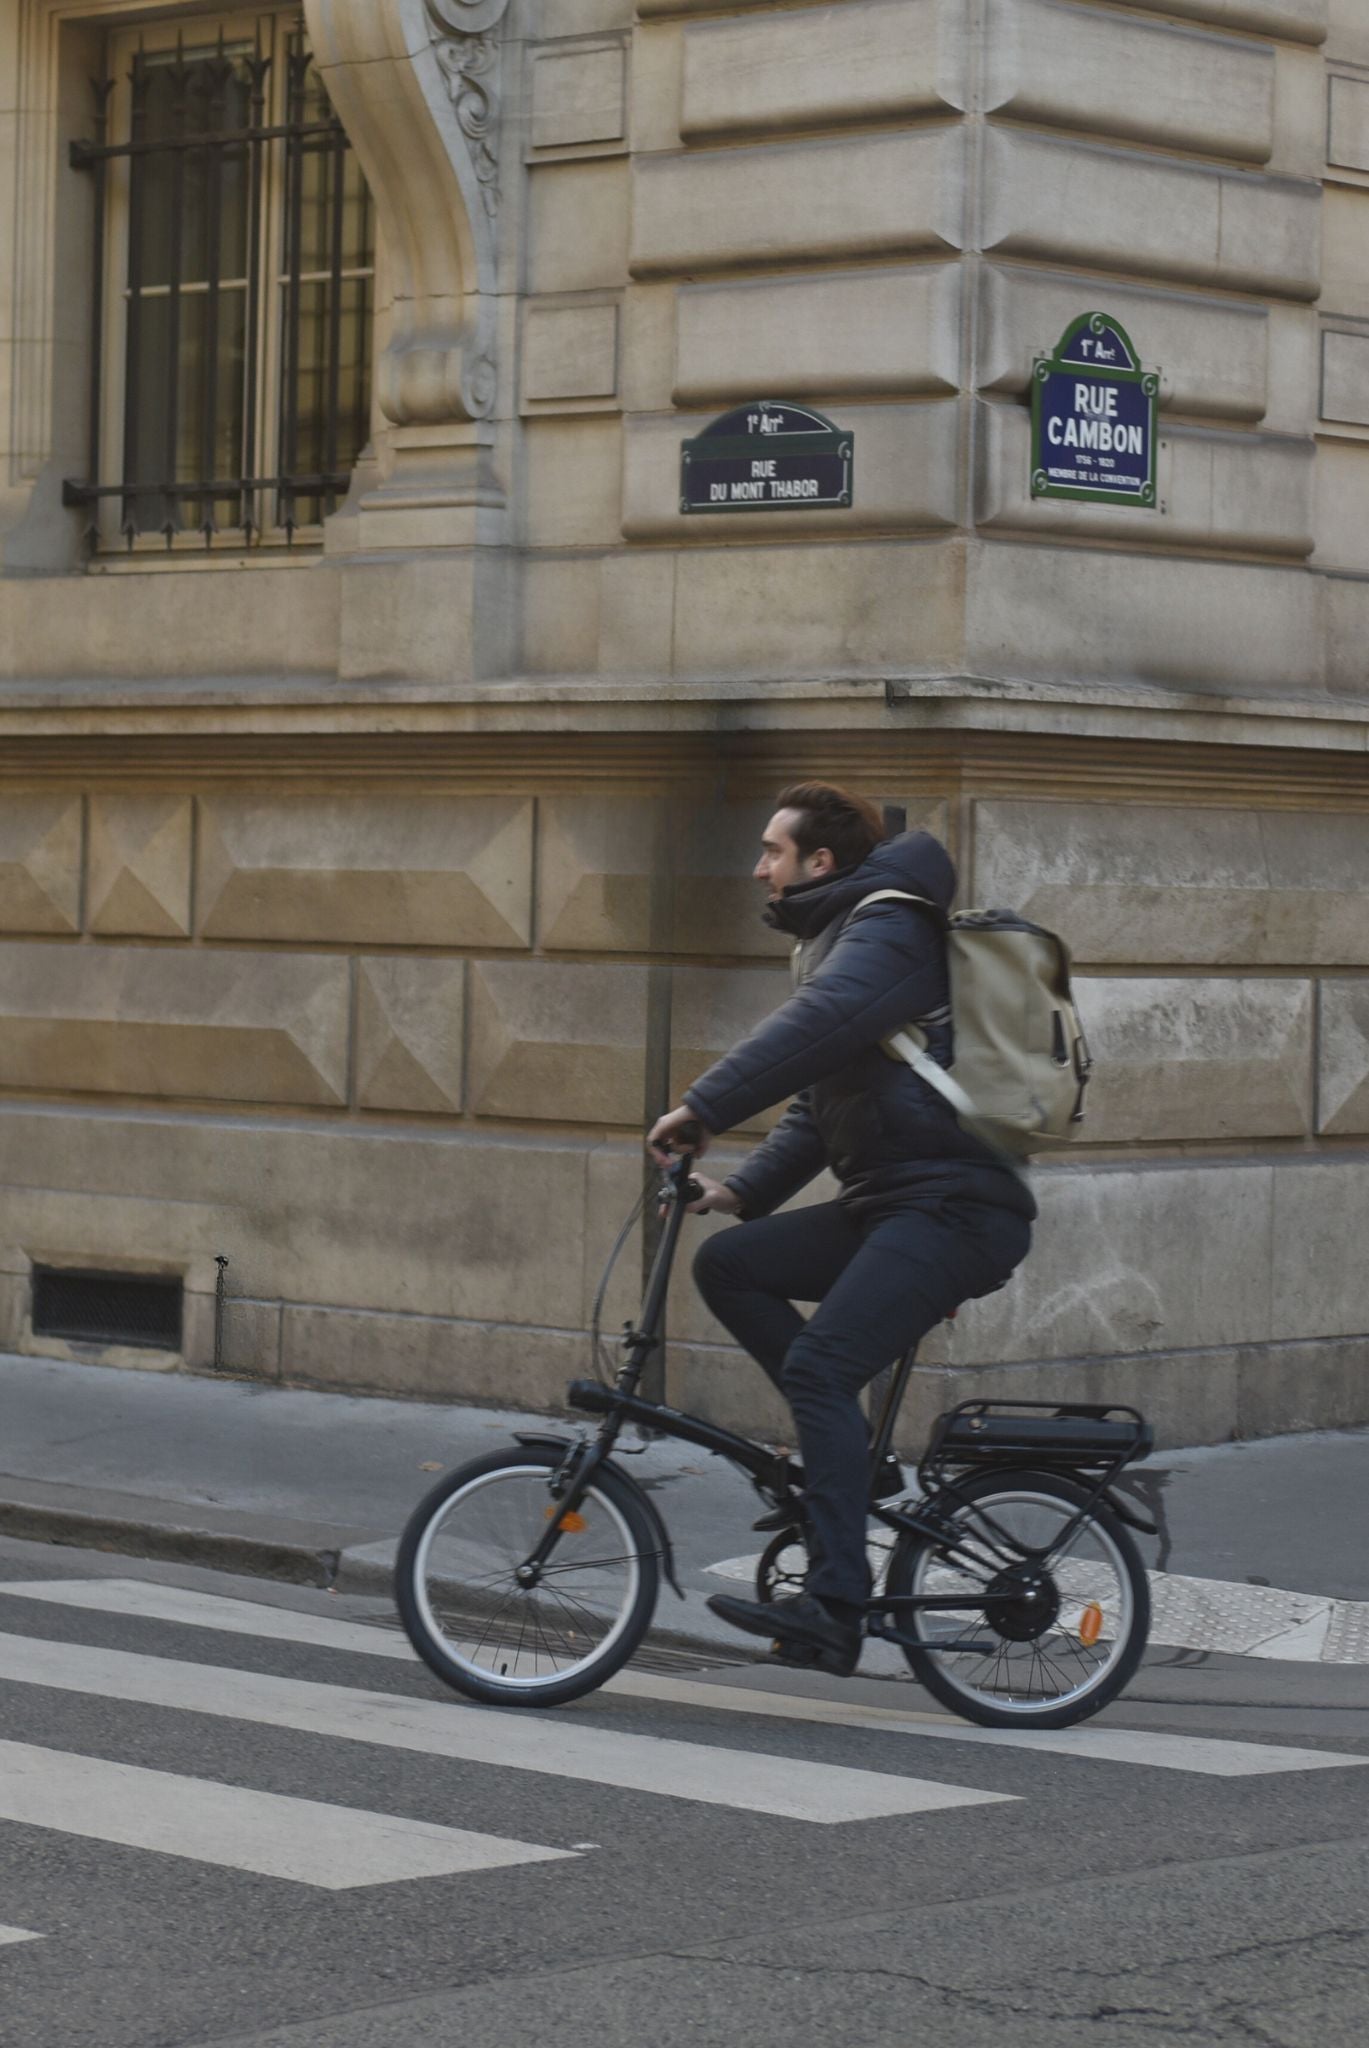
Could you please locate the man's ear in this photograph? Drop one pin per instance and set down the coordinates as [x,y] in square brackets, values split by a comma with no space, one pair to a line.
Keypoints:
[823,862]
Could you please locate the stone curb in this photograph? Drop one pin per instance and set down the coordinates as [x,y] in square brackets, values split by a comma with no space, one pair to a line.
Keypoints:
[255,1557]
[177,1538]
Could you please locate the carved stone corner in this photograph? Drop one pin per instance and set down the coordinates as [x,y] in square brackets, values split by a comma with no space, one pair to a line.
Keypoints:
[417,85]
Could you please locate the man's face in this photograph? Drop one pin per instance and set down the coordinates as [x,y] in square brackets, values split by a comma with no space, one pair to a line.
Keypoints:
[781,865]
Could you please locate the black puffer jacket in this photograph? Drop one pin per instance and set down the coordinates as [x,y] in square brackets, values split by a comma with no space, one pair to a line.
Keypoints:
[891,1140]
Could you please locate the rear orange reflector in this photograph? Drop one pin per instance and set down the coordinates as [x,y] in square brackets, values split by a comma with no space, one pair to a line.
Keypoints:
[1090,1624]
[572,1524]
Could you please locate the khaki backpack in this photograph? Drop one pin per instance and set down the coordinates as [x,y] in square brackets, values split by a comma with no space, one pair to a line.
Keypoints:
[1021,1063]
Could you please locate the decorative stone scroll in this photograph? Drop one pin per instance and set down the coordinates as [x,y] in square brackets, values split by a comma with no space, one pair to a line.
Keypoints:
[417,85]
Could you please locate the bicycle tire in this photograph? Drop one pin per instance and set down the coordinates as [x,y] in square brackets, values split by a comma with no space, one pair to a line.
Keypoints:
[521,1624]
[915,1556]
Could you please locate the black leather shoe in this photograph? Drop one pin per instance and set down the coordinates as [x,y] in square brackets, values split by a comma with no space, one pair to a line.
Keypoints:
[797,1624]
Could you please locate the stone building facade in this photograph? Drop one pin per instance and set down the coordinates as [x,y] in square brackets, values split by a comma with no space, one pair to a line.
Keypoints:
[353,866]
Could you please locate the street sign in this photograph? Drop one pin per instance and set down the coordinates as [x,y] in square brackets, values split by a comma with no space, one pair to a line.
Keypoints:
[766,457]
[1093,418]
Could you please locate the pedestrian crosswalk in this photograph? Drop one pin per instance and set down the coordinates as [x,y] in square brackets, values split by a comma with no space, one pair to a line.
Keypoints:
[335,1846]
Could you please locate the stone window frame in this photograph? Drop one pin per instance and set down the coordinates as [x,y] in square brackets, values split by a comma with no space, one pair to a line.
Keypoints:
[417,85]
[239,22]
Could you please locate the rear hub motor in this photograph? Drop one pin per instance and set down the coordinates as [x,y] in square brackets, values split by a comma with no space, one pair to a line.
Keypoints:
[1022,1604]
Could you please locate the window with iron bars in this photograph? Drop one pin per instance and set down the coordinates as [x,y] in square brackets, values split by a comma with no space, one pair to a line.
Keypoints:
[234,292]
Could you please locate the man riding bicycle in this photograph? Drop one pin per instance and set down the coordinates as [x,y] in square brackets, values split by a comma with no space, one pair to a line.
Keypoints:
[927,1216]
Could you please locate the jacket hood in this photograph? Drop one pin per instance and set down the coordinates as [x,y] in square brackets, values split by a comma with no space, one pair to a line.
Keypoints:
[914,861]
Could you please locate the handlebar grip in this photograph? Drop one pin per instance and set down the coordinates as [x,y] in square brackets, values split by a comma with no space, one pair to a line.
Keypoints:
[691,1191]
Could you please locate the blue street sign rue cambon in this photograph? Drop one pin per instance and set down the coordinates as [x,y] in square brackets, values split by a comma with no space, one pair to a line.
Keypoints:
[1093,418]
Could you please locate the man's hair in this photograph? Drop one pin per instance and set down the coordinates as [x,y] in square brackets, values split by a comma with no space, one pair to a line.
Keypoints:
[851,827]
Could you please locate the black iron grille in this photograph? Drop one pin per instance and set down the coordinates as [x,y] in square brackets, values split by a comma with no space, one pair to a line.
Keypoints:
[107,1308]
[245,253]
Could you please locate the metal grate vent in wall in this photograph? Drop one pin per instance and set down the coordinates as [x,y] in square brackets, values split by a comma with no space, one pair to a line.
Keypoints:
[107,1308]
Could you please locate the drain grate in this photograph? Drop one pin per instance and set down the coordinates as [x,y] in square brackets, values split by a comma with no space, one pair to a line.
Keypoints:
[107,1308]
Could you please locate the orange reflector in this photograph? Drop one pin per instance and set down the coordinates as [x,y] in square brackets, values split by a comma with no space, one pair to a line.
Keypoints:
[572,1524]
[1090,1624]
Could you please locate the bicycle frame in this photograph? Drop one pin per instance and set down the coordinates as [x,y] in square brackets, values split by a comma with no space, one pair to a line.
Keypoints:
[1094,1455]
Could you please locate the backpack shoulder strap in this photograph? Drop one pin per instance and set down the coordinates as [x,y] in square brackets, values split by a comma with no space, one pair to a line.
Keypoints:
[902,1043]
[898,896]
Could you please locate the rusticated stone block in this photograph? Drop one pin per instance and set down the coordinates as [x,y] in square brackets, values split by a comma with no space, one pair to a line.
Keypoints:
[578,225]
[570,352]
[1069,67]
[410,1029]
[1301,21]
[1106,209]
[40,863]
[742,611]
[818,67]
[434,1358]
[1345,378]
[905,477]
[722,1384]
[1240,491]
[1343,513]
[1133,1259]
[429,1220]
[1199,1058]
[594,874]
[1343,1063]
[560,1043]
[374,870]
[140,866]
[713,1009]
[869,333]
[578,95]
[1212,354]
[1193,887]
[872,195]
[1345,223]
[1191,1397]
[1348,139]
[1134,617]
[1319,1274]
[226,1027]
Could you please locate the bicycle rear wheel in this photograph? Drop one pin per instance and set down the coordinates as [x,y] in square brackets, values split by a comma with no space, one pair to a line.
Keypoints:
[496,1639]
[1043,1641]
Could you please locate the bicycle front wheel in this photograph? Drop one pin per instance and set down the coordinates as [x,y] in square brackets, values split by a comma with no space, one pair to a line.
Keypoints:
[474,1620]
[1054,1622]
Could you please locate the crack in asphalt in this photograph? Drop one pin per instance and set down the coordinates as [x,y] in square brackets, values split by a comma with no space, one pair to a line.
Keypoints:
[1216,2027]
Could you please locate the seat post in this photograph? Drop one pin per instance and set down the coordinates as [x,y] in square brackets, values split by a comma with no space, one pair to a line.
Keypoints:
[886,1398]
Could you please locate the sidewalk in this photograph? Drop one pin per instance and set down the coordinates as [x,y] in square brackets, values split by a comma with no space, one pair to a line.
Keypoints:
[315,1488]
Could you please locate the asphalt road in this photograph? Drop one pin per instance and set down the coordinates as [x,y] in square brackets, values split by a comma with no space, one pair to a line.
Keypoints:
[226,1834]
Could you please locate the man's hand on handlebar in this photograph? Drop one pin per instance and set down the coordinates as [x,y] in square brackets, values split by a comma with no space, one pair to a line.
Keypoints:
[715,1197]
[679,1130]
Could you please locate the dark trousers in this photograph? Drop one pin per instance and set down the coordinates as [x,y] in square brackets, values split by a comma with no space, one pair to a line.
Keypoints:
[880,1286]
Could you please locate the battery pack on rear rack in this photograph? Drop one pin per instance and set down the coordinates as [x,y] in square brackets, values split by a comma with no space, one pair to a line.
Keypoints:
[1041,1432]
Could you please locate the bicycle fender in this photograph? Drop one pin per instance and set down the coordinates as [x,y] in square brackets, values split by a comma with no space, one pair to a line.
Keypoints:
[548,1440]
[1127,1511]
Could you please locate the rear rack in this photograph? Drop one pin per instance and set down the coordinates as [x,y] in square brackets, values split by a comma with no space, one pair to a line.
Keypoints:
[1069,1435]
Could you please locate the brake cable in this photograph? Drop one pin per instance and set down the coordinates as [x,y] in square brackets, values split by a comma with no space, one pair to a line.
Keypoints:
[599,1359]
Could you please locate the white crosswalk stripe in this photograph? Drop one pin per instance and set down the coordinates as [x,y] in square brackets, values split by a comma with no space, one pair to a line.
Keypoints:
[9,1935]
[333,1847]
[551,1746]
[338,1847]
[1153,1749]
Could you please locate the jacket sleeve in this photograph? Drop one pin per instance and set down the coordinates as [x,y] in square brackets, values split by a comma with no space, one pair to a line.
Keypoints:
[886,969]
[781,1164]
